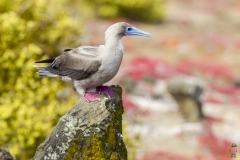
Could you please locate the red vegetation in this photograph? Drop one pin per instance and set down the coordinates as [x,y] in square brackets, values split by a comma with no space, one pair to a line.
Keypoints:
[162,156]
[218,93]
[160,69]
[141,67]
[218,148]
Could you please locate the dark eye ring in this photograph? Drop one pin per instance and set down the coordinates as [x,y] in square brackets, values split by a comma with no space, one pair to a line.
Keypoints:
[129,29]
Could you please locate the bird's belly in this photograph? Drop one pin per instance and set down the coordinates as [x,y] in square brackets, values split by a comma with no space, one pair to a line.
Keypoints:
[97,79]
[103,76]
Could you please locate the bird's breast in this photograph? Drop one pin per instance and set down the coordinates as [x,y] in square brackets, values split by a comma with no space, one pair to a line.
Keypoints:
[108,69]
[111,64]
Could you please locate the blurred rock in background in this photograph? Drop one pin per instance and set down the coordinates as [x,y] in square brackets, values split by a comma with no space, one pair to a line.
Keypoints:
[187,91]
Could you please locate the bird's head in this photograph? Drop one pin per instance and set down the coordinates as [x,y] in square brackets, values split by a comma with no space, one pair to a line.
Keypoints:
[124,29]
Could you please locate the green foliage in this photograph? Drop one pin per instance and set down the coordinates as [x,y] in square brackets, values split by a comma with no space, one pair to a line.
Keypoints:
[29,105]
[140,10]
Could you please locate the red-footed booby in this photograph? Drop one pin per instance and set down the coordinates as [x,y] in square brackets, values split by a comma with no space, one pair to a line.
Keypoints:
[89,67]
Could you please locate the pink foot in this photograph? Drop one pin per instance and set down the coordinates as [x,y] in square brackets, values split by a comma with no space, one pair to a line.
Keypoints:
[105,90]
[91,96]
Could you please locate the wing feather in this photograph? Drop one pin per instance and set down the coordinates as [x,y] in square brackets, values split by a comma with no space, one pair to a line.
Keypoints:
[74,64]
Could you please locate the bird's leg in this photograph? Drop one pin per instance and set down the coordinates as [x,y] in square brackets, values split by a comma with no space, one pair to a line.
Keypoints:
[105,90]
[91,90]
[90,95]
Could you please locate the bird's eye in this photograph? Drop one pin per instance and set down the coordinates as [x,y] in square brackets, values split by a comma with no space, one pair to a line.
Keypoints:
[129,29]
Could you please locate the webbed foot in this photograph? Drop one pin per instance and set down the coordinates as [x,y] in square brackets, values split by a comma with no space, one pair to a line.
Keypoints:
[105,90]
[91,96]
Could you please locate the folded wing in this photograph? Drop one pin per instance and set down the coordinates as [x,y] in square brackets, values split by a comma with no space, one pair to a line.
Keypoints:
[79,63]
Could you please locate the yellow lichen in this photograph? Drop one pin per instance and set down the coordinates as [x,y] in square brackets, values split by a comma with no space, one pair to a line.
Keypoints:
[114,156]
[100,147]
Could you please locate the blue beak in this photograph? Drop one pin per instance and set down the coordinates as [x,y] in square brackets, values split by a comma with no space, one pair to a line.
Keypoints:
[136,32]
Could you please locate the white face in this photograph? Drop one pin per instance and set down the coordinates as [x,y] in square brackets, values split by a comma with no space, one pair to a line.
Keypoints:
[117,29]
[124,29]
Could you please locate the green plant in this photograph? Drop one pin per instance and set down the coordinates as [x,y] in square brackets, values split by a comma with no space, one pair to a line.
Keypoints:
[140,10]
[29,105]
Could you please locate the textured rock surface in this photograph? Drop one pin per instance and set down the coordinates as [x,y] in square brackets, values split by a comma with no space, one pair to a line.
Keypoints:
[5,155]
[87,131]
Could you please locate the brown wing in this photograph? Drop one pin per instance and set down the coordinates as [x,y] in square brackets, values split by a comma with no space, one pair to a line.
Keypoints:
[76,63]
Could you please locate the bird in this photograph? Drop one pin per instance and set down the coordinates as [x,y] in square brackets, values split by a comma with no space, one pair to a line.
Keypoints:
[89,67]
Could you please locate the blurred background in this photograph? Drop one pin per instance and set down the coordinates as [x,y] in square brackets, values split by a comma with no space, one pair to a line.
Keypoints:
[181,87]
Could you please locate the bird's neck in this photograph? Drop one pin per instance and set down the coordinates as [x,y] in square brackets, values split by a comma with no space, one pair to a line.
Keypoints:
[112,39]
[113,53]
[114,43]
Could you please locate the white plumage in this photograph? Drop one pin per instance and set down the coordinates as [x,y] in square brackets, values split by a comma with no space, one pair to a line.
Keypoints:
[88,67]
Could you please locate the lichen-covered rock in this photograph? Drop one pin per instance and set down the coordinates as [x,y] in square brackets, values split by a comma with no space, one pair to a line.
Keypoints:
[88,131]
[5,155]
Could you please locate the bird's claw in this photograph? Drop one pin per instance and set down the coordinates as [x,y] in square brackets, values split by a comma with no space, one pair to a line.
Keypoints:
[105,90]
[91,97]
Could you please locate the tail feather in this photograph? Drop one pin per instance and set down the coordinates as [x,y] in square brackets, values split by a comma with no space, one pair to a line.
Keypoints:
[42,72]
[46,74]
[50,60]
[40,68]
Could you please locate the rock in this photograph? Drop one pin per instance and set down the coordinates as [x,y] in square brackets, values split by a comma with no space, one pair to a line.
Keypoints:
[187,92]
